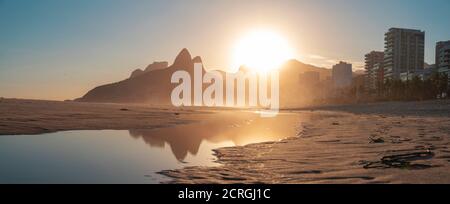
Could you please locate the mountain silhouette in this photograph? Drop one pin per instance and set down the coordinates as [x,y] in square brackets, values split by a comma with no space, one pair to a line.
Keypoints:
[295,92]
[183,60]
[151,67]
[152,85]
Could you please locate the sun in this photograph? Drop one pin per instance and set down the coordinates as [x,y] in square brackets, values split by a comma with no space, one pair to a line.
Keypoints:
[261,51]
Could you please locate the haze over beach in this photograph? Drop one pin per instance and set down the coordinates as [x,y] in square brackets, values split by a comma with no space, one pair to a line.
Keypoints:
[200,92]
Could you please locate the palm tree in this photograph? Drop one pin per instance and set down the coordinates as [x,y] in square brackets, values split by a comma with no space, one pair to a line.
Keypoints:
[443,84]
[415,91]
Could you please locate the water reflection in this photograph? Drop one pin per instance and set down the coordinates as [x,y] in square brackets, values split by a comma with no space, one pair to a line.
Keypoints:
[112,156]
[241,129]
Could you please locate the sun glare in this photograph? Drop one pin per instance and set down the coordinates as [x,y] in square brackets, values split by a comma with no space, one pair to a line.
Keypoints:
[261,51]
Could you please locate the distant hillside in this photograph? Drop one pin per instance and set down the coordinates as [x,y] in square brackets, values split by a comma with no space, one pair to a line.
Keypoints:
[152,85]
[295,67]
[151,67]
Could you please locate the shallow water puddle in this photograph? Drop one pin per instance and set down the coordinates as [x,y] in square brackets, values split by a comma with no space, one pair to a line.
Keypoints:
[134,156]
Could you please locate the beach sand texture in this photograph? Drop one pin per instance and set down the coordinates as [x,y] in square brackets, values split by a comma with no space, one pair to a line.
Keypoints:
[397,142]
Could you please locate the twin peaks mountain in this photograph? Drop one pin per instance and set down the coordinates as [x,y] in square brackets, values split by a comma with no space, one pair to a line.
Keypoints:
[152,85]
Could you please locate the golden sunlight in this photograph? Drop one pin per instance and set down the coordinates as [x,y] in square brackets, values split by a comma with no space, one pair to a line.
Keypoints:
[261,51]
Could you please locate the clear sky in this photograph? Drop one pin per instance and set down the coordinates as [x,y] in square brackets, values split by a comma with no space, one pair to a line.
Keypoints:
[59,49]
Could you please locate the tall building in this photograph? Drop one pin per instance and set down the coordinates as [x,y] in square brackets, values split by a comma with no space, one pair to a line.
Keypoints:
[378,70]
[443,57]
[442,49]
[404,52]
[342,75]
[374,67]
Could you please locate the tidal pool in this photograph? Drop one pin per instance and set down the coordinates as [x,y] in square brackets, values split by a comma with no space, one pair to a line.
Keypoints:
[132,156]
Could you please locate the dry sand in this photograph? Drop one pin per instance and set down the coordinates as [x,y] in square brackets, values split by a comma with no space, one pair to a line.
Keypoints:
[374,143]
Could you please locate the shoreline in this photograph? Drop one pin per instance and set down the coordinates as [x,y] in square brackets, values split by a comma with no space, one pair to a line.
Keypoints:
[411,108]
[34,117]
[393,142]
[336,146]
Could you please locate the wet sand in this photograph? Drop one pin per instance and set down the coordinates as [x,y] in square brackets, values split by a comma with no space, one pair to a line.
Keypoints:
[369,145]
[36,117]
[398,142]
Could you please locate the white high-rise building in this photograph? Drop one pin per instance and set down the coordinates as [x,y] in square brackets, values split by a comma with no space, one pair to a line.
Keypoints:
[443,57]
[374,70]
[404,52]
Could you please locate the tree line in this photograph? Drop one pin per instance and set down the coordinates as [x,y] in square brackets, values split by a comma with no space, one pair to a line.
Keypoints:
[435,86]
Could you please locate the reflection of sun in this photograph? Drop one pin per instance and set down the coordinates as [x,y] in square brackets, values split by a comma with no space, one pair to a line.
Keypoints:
[261,51]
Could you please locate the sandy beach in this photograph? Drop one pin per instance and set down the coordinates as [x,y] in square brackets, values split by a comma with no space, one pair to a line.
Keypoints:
[35,116]
[395,142]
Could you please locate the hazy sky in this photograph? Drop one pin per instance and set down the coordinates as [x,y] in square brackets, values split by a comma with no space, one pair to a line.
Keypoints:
[59,49]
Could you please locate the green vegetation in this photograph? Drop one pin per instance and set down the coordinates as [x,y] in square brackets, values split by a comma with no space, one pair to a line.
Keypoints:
[436,86]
